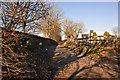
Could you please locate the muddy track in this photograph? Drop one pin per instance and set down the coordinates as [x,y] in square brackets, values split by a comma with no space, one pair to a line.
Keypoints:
[68,64]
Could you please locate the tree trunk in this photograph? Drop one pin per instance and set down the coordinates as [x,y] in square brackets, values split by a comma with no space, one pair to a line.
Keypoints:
[24,24]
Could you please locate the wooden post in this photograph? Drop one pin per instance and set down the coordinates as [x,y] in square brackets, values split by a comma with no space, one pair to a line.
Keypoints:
[91,31]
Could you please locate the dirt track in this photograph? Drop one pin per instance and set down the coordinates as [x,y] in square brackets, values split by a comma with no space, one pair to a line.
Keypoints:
[68,64]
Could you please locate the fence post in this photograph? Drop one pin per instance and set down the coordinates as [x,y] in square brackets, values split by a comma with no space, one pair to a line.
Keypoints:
[91,31]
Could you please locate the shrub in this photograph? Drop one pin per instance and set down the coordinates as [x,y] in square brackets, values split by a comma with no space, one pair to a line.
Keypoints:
[94,34]
[106,33]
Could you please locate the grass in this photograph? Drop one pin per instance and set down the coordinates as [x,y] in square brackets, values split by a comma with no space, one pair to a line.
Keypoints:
[105,59]
[96,50]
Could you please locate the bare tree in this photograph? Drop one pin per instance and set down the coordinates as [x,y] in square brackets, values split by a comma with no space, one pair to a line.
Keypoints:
[72,29]
[115,30]
[50,25]
[23,15]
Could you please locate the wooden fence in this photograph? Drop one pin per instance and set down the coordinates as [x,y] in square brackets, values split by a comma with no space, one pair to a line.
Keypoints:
[96,38]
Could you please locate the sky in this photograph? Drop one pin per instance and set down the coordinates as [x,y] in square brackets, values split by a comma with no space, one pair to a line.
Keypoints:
[97,16]
[84,0]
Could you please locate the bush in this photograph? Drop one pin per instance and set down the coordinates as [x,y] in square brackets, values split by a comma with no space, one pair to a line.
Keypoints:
[106,34]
